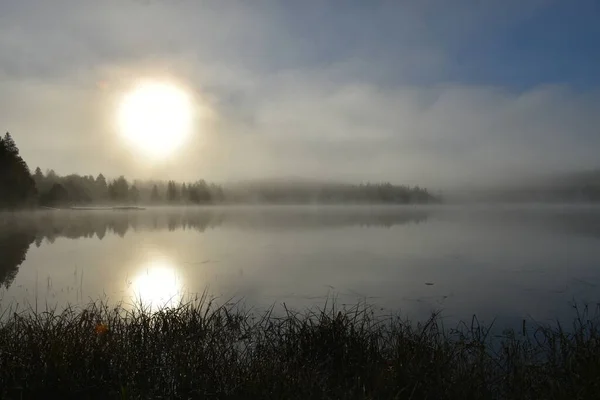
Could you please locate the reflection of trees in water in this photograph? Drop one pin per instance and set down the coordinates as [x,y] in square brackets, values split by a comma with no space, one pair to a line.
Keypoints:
[87,224]
[305,218]
[19,231]
[14,244]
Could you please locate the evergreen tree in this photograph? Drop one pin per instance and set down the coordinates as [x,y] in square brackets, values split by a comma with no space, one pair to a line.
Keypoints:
[50,174]
[101,188]
[57,195]
[184,193]
[172,194]
[155,197]
[79,188]
[40,181]
[203,192]
[216,193]
[101,180]
[134,194]
[193,194]
[38,176]
[10,145]
[118,190]
[17,187]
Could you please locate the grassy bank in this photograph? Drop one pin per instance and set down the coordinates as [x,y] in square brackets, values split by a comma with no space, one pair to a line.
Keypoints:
[198,350]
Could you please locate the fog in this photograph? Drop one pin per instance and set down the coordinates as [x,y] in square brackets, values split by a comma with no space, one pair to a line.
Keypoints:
[363,93]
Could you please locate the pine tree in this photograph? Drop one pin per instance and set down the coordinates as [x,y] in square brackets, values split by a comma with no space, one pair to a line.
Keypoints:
[203,192]
[134,194]
[184,193]
[172,194]
[119,189]
[38,175]
[10,145]
[57,195]
[17,187]
[101,188]
[155,197]
[193,194]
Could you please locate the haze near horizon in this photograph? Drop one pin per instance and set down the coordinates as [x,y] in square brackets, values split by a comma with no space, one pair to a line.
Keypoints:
[410,92]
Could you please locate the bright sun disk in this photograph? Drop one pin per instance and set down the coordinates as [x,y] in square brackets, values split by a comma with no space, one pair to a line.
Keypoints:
[156,118]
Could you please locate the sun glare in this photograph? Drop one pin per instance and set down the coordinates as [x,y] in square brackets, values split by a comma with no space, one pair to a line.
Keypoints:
[158,285]
[156,118]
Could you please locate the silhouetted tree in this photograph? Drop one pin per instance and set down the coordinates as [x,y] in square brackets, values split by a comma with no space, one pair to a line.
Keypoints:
[194,195]
[134,194]
[185,195]
[155,197]
[118,190]
[10,145]
[41,183]
[79,188]
[216,193]
[204,195]
[38,176]
[50,174]
[101,187]
[57,195]
[17,187]
[172,193]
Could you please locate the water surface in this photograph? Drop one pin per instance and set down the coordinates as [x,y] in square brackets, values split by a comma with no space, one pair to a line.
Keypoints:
[508,263]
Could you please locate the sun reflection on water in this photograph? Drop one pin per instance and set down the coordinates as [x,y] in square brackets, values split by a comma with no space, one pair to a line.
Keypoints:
[158,284]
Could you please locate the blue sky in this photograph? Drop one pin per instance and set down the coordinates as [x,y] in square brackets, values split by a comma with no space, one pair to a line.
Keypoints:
[428,91]
[518,45]
[558,44]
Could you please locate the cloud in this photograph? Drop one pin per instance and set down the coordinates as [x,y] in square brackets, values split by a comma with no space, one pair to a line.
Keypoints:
[360,93]
[439,134]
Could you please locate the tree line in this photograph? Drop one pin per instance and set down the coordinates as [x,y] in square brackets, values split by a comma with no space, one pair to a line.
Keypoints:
[87,189]
[21,188]
[80,190]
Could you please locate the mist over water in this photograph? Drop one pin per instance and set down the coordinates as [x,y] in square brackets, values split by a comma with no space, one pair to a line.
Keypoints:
[509,262]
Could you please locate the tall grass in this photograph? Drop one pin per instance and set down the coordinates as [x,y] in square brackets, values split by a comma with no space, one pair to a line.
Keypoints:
[200,350]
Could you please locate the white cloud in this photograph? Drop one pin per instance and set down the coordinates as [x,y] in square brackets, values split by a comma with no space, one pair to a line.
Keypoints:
[436,135]
[283,105]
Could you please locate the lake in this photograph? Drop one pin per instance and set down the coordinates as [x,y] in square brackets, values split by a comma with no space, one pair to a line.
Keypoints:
[499,262]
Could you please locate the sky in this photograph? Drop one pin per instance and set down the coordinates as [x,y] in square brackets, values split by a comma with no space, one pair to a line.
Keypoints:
[429,92]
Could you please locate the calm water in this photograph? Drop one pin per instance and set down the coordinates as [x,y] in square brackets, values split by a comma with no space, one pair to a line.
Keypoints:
[498,262]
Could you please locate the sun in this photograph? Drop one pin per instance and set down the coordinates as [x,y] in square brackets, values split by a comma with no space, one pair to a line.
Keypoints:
[156,118]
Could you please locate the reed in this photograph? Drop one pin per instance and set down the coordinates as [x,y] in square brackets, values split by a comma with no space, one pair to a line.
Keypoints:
[199,350]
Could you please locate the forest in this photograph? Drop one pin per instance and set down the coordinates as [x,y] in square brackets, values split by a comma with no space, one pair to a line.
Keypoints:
[20,188]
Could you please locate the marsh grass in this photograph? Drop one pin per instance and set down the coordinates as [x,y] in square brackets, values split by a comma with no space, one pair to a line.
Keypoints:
[201,350]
